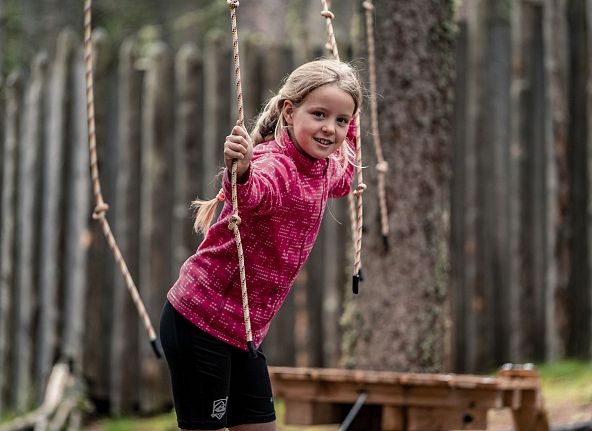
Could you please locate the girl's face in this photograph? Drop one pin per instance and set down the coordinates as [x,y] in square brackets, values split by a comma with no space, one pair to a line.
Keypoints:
[318,125]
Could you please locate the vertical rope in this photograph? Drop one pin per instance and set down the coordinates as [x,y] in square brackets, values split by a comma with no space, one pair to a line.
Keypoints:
[101,207]
[235,220]
[355,201]
[382,165]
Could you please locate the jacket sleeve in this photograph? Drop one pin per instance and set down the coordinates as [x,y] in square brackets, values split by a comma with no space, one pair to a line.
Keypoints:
[267,185]
[342,176]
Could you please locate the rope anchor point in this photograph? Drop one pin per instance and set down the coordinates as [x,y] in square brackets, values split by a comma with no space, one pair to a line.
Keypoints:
[100,211]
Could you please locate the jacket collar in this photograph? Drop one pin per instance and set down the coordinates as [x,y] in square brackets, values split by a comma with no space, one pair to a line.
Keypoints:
[304,164]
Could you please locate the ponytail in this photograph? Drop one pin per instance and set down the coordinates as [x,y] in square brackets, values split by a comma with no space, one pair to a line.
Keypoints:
[270,122]
[205,211]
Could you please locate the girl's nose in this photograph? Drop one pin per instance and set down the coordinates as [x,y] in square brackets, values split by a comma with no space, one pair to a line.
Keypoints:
[327,128]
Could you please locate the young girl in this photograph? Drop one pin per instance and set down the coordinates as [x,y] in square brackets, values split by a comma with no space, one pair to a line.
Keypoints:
[304,141]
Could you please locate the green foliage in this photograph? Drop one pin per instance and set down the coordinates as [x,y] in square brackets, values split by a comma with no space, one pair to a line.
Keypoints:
[164,422]
[13,54]
[567,381]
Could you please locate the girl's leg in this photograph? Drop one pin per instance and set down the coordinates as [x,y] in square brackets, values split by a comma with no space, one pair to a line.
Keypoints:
[269,426]
[221,429]
[199,365]
[250,403]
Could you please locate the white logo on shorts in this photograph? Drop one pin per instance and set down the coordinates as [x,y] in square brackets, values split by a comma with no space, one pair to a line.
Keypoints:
[219,408]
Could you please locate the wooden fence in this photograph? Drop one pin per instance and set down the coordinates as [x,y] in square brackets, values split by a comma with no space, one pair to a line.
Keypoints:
[61,295]
[520,249]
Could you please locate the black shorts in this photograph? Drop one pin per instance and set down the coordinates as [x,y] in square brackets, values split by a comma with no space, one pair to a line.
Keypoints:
[215,385]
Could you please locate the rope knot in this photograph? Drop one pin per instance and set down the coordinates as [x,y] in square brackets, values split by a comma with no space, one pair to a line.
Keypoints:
[100,211]
[328,14]
[368,5]
[232,4]
[360,189]
[233,221]
[382,167]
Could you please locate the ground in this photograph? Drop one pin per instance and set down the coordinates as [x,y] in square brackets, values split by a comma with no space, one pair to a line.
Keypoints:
[567,391]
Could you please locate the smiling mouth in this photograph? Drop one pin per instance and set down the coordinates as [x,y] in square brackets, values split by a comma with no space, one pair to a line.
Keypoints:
[324,142]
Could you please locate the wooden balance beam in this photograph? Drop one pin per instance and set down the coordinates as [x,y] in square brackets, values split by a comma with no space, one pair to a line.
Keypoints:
[411,402]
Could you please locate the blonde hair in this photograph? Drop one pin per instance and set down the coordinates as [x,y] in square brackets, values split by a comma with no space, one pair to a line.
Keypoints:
[270,123]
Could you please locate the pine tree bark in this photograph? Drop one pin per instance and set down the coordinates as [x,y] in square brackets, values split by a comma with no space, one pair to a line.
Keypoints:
[398,321]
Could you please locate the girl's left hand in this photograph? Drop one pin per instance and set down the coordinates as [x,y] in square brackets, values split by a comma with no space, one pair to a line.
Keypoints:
[238,146]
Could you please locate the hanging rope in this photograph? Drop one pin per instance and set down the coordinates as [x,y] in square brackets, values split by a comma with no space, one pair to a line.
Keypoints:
[101,207]
[382,165]
[356,209]
[235,220]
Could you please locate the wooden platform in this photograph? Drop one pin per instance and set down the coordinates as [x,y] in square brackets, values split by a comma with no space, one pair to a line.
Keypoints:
[410,402]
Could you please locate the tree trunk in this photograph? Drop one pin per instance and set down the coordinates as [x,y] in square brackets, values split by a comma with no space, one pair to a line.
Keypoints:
[399,319]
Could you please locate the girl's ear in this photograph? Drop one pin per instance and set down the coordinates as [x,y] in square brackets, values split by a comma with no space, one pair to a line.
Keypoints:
[287,112]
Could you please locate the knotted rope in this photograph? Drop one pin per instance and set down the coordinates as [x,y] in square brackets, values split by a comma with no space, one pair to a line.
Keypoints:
[356,210]
[382,165]
[101,207]
[234,220]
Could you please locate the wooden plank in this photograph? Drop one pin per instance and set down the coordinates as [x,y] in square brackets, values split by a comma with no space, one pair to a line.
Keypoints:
[311,413]
[14,96]
[124,375]
[393,419]
[528,419]
[27,233]
[302,374]
[437,419]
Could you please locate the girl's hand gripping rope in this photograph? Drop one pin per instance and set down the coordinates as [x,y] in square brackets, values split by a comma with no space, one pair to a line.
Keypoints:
[238,146]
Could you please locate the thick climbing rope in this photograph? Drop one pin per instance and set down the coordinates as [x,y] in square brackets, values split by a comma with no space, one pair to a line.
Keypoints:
[382,165]
[355,198]
[235,220]
[101,207]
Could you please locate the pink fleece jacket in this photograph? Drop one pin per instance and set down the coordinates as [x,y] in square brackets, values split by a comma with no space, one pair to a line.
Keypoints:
[281,206]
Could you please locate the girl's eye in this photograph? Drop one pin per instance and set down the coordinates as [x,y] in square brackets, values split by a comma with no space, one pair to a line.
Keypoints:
[343,121]
[318,114]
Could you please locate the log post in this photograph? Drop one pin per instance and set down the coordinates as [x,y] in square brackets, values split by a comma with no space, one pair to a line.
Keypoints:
[14,96]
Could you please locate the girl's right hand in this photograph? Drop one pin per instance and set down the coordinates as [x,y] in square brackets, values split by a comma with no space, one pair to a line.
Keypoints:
[238,146]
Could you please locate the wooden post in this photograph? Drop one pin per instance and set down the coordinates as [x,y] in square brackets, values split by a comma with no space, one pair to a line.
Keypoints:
[219,97]
[514,279]
[252,70]
[14,95]
[557,247]
[187,152]
[124,375]
[458,300]
[579,294]
[51,196]
[468,276]
[76,220]
[589,169]
[100,261]
[285,330]
[156,215]
[533,183]
[27,232]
